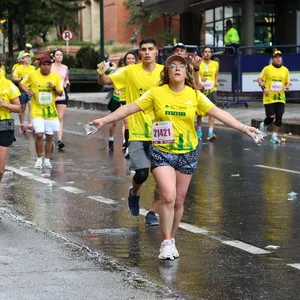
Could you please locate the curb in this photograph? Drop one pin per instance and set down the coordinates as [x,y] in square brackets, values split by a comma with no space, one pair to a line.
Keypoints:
[87,105]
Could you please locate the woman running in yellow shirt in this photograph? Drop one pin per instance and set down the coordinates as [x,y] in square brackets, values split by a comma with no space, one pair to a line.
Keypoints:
[173,153]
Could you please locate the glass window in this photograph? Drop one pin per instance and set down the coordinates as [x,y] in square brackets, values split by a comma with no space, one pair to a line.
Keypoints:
[228,12]
[209,35]
[219,13]
[219,34]
[209,16]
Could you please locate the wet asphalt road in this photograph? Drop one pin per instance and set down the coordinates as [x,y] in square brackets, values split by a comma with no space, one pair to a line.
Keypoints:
[237,203]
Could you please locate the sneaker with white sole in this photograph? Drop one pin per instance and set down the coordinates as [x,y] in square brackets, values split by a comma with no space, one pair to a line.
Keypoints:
[47,164]
[275,140]
[211,137]
[151,219]
[39,163]
[166,250]
[175,251]
[133,203]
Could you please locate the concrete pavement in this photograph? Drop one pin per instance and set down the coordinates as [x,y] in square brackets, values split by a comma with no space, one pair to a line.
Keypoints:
[37,265]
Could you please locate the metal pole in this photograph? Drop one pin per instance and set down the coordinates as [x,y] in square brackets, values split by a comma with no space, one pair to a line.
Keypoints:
[101,31]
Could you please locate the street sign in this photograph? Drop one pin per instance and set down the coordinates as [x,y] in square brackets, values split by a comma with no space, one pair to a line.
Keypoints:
[67,35]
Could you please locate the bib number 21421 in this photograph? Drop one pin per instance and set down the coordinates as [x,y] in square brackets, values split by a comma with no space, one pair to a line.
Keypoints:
[162,133]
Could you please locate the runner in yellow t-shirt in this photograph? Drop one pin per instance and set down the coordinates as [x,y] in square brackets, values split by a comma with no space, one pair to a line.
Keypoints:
[173,154]
[9,102]
[209,74]
[195,61]
[45,86]
[137,79]
[130,58]
[274,81]
[19,73]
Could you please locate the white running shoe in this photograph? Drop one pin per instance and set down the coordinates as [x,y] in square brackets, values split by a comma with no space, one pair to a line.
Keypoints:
[175,251]
[166,250]
[39,163]
[47,164]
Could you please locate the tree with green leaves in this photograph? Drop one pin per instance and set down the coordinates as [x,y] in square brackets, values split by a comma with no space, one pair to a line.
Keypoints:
[28,19]
[140,17]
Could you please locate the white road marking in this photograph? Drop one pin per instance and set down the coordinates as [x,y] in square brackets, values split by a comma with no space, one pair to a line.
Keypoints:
[30,175]
[246,247]
[297,266]
[103,199]
[185,226]
[72,190]
[277,169]
[193,228]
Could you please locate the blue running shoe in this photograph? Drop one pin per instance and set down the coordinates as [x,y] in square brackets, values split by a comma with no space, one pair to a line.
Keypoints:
[151,219]
[133,203]
[211,137]
[199,134]
[275,140]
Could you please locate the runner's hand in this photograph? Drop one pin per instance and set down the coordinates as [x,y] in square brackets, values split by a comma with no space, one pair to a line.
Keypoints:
[195,60]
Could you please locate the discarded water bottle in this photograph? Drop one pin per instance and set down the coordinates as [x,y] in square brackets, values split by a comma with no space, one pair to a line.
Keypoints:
[272,247]
[292,195]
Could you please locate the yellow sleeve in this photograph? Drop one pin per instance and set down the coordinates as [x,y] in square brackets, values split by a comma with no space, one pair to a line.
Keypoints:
[204,104]
[145,102]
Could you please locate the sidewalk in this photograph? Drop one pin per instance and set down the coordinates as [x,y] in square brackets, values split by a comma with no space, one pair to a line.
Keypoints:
[37,265]
[254,114]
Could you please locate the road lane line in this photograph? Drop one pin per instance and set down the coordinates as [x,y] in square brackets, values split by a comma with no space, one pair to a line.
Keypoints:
[72,190]
[103,199]
[185,226]
[246,247]
[297,266]
[30,175]
[277,169]
[193,228]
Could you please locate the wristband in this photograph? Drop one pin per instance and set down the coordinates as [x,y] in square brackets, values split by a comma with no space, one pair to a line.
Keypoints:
[54,89]
[196,69]
[243,129]
[263,87]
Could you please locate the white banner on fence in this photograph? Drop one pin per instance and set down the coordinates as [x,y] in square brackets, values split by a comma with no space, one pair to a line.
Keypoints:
[225,82]
[250,82]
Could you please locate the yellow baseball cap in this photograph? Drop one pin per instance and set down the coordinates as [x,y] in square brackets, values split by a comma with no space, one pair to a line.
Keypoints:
[276,52]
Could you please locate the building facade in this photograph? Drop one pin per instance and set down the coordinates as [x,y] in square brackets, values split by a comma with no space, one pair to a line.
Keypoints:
[262,23]
[115,28]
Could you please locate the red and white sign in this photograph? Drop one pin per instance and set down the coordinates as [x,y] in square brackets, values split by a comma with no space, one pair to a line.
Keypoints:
[67,35]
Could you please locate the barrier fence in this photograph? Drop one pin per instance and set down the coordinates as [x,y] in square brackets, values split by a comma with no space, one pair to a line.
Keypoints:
[239,70]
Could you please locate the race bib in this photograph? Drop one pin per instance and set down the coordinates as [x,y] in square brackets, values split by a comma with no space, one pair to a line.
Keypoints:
[45,98]
[276,86]
[162,133]
[208,85]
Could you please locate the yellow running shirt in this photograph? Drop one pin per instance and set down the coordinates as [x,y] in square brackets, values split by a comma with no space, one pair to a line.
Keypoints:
[8,92]
[136,81]
[2,71]
[180,109]
[43,101]
[209,71]
[22,71]
[275,80]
